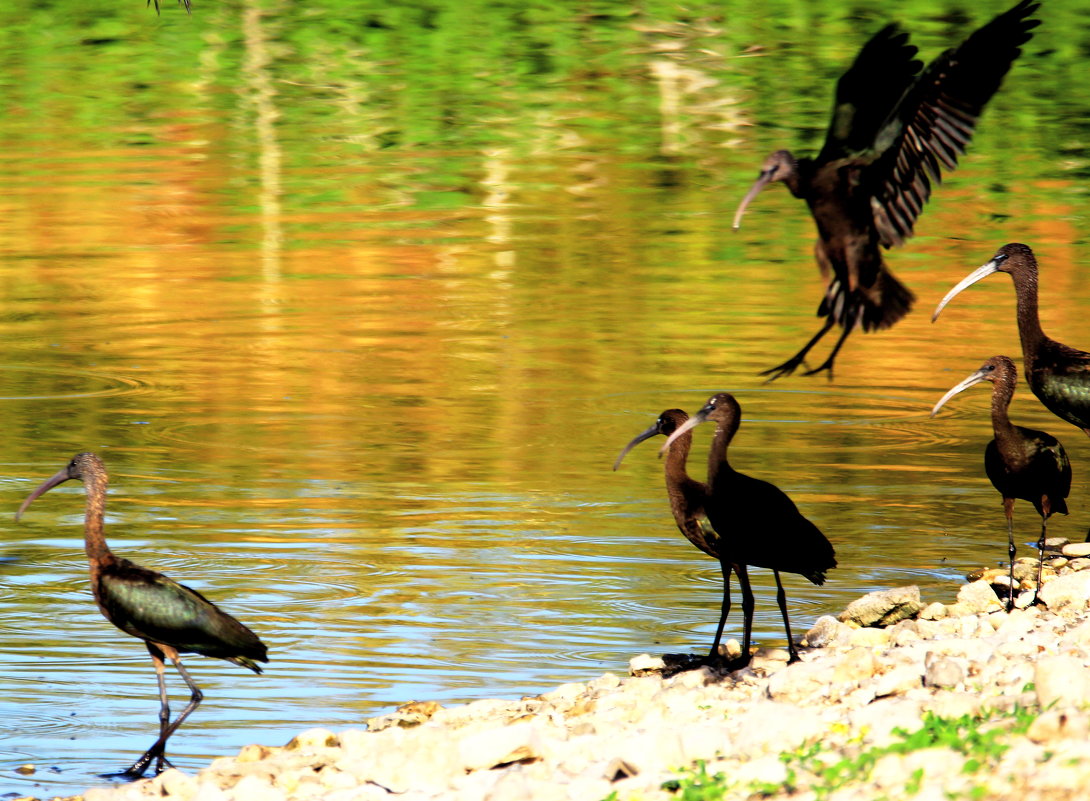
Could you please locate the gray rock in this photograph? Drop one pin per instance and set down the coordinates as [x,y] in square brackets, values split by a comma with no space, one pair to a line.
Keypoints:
[772,728]
[933,611]
[645,663]
[978,597]
[855,666]
[898,681]
[943,671]
[1070,592]
[1061,679]
[1076,549]
[175,784]
[883,607]
[868,637]
[1059,724]
[877,721]
[824,632]
[801,683]
[499,745]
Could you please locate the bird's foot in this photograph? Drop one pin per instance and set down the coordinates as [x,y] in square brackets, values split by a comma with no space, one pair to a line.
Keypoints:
[140,766]
[161,764]
[781,370]
[825,366]
[129,774]
[739,662]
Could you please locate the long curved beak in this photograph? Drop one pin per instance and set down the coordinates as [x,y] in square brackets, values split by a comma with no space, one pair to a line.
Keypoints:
[636,441]
[967,281]
[46,486]
[762,181]
[975,378]
[688,425]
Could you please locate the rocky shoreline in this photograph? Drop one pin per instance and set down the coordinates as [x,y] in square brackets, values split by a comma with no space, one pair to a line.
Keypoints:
[894,699]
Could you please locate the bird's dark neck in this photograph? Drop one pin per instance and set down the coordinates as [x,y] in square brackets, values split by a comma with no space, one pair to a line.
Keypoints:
[1029,321]
[717,456]
[94,537]
[676,457]
[1002,392]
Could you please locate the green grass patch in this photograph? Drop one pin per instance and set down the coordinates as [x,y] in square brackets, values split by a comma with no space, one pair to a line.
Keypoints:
[982,738]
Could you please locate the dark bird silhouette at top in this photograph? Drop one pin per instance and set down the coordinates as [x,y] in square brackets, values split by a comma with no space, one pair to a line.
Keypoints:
[1021,462]
[169,617]
[757,524]
[893,130]
[688,498]
[1058,375]
[180,2]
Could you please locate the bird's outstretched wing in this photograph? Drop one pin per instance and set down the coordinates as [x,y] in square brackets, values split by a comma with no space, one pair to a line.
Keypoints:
[934,121]
[868,93]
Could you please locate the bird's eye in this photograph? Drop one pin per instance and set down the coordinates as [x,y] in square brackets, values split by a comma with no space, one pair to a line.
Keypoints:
[1000,258]
[990,368]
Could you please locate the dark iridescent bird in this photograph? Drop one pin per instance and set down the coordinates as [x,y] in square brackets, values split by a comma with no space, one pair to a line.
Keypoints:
[180,2]
[169,617]
[1059,375]
[688,498]
[758,525]
[893,130]
[1021,462]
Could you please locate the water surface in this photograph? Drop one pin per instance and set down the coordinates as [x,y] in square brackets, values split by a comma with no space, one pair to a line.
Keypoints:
[359,305]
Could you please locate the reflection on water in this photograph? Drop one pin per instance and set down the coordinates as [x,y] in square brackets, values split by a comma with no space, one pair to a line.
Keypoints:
[358,316]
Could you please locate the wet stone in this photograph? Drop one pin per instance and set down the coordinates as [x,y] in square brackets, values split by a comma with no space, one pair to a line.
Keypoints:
[1075,550]
[883,607]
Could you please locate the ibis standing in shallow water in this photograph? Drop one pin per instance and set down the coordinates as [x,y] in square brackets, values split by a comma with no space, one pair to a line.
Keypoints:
[1058,375]
[1021,462]
[757,524]
[688,499]
[169,617]
[893,130]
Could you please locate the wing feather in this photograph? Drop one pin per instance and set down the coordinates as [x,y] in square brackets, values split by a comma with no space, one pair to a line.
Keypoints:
[936,118]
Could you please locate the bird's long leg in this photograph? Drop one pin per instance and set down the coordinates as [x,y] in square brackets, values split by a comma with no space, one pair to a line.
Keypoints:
[1046,510]
[747,612]
[1008,509]
[849,325]
[789,366]
[158,748]
[781,599]
[828,363]
[713,655]
[164,701]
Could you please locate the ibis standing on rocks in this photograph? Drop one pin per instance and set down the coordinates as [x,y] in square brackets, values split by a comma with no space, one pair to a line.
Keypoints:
[757,524]
[688,499]
[1021,462]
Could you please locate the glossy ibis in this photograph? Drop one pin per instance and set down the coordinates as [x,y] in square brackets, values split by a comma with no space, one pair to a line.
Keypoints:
[169,617]
[893,130]
[758,524]
[688,498]
[1058,375]
[1021,462]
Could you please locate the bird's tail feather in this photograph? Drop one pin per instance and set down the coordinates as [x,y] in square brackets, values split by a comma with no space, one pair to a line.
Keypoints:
[873,308]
